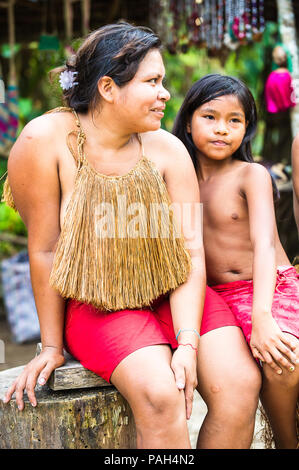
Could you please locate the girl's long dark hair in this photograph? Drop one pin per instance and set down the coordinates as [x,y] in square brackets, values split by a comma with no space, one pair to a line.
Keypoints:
[208,88]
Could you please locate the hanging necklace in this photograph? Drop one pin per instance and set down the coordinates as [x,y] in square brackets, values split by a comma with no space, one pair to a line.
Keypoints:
[209,23]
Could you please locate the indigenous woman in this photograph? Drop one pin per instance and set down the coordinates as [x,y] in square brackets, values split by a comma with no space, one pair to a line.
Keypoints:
[101,189]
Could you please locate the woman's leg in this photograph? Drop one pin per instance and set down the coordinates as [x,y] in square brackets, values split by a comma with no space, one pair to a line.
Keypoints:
[229,382]
[279,396]
[147,382]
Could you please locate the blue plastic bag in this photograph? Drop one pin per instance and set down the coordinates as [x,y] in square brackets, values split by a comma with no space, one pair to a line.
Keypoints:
[18,298]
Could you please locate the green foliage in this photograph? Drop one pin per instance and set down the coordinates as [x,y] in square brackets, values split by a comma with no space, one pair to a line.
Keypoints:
[37,95]
[3,168]
[35,86]
[10,221]
[7,250]
[182,70]
[251,63]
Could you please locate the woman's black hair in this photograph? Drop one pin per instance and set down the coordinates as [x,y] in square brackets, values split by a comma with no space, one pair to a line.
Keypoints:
[114,50]
[209,88]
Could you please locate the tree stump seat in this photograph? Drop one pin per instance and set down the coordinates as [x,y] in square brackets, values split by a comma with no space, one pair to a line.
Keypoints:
[76,409]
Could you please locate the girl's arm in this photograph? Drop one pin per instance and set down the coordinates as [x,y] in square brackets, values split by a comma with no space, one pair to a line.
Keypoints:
[268,343]
[295,172]
[187,301]
[33,177]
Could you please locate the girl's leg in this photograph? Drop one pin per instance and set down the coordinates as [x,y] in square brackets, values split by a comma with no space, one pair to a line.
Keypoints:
[147,382]
[229,382]
[279,396]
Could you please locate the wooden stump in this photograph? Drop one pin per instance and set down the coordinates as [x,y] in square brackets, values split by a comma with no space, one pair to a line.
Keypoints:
[93,418]
[72,375]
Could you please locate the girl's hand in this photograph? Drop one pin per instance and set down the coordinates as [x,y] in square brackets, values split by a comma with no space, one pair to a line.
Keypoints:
[269,344]
[183,364]
[40,367]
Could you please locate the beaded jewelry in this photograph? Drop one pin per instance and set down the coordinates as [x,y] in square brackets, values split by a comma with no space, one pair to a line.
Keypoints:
[187,329]
[208,23]
[188,344]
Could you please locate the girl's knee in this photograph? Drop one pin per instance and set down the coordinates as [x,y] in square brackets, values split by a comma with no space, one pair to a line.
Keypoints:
[237,398]
[244,385]
[287,379]
[250,382]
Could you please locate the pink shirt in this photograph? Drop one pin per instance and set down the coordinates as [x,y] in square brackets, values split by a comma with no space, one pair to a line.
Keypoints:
[279,93]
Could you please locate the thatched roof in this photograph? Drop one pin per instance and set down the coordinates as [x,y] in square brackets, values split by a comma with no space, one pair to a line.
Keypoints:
[32,18]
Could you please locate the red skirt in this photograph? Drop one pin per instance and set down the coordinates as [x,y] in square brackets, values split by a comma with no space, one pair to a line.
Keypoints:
[101,340]
[285,306]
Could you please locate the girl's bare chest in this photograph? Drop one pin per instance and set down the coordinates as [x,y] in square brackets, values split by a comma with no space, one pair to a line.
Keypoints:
[223,203]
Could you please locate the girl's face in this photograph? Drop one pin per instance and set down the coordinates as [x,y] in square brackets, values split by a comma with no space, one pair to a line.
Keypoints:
[218,127]
[141,102]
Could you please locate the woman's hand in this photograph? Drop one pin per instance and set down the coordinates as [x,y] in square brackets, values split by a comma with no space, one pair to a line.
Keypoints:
[38,369]
[183,364]
[269,344]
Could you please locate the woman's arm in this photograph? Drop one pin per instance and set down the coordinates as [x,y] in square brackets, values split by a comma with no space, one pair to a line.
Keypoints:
[187,301]
[268,343]
[295,173]
[33,177]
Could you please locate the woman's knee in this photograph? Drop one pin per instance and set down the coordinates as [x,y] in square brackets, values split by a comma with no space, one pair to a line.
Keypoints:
[147,382]
[162,401]
[160,416]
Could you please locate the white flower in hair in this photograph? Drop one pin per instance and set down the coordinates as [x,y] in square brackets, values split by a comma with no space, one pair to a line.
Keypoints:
[66,79]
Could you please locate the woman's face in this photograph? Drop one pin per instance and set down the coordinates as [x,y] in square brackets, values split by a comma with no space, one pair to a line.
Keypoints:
[218,127]
[141,102]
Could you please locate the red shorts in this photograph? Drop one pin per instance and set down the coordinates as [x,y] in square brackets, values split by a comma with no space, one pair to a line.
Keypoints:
[285,307]
[100,340]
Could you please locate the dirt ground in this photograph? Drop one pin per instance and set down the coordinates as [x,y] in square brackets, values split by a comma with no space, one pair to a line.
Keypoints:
[14,354]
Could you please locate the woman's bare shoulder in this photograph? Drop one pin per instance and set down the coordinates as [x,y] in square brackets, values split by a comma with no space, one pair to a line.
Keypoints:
[166,144]
[40,136]
[45,126]
[33,168]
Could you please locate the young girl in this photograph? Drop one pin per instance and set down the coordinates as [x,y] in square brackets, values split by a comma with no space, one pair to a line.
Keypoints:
[246,263]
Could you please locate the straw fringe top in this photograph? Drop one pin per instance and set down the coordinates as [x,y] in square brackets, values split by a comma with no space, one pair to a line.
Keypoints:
[119,245]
